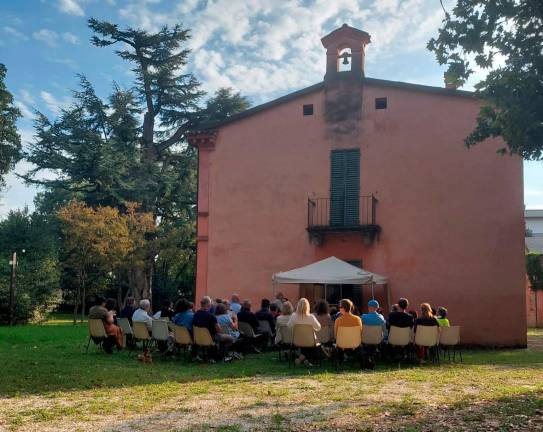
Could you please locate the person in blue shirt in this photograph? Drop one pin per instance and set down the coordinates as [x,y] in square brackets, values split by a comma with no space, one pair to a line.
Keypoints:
[235,305]
[183,314]
[372,318]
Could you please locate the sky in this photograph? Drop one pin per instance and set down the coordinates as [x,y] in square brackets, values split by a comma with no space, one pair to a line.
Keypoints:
[263,48]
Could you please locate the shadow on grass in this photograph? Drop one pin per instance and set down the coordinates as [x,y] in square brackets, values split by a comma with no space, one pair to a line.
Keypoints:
[39,360]
[522,412]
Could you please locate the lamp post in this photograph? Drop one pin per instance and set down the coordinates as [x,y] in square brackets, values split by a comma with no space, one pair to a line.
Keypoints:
[13,264]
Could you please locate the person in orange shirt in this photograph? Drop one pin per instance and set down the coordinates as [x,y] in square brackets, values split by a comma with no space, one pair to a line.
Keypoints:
[346,319]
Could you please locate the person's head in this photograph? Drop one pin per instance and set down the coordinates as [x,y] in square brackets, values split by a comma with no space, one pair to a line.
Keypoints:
[226,304]
[274,308]
[235,298]
[99,301]
[191,306]
[345,306]
[246,304]
[403,303]
[426,310]
[395,308]
[303,307]
[218,300]
[167,305]
[373,305]
[181,306]
[322,308]
[265,304]
[333,311]
[111,304]
[205,303]
[286,308]
[220,309]
[442,312]
[145,304]
[434,312]
[279,296]
[130,301]
[413,313]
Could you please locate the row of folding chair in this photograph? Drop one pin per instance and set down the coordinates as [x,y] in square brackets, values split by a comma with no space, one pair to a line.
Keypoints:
[351,338]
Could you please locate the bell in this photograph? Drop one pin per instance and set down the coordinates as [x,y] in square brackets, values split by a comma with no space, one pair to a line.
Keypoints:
[345,60]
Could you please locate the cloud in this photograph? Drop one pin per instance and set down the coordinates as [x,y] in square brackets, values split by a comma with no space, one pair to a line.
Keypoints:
[71,7]
[71,63]
[25,110]
[15,33]
[53,104]
[46,36]
[268,48]
[70,38]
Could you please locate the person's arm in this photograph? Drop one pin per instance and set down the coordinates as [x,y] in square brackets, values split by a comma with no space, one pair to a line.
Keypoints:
[315,323]
[271,322]
[110,318]
[335,328]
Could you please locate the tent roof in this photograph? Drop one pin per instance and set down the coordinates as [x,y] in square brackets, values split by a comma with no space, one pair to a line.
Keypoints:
[329,271]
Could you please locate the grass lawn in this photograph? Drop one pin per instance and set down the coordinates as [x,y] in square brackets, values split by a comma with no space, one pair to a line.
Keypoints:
[48,383]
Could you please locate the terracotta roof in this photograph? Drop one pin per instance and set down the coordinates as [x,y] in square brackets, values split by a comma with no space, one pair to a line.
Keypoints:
[315,87]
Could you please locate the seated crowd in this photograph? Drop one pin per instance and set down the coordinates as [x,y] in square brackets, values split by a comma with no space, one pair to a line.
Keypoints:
[236,329]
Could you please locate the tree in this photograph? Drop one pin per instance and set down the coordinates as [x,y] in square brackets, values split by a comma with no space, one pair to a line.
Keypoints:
[534,270]
[106,156]
[504,37]
[38,274]
[10,141]
[93,239]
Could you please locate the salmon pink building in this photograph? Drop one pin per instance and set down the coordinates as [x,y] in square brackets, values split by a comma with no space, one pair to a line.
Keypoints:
[373,172]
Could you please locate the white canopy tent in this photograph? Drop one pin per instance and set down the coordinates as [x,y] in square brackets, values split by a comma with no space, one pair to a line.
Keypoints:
[329,271]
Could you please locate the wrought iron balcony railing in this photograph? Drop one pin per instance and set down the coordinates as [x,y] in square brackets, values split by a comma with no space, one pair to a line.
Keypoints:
[356,213]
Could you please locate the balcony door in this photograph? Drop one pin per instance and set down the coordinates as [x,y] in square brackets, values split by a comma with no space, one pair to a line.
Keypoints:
[345,188]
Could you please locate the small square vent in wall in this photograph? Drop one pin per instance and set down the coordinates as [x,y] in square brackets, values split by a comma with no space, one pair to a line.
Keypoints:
[308,109]
[381,103]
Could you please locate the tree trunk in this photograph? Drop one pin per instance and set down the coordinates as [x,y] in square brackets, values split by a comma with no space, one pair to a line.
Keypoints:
[76,303]
[83,302]
[139,282]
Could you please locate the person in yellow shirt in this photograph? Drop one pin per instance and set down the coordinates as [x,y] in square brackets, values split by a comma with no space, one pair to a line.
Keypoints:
[346,319]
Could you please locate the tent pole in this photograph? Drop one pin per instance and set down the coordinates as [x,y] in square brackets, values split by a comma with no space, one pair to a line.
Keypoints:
[373,290]
[325,296]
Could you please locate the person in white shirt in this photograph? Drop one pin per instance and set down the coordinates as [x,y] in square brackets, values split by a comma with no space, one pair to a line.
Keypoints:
[302,316]
[142,314]
[282,320]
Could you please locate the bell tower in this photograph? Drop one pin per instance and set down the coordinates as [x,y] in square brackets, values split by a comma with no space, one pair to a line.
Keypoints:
[345,48]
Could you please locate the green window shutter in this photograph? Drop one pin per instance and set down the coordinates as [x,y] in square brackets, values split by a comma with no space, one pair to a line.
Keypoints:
[344,187]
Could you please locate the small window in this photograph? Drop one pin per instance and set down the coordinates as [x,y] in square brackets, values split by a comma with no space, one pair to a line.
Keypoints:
[308,109]
[380,103]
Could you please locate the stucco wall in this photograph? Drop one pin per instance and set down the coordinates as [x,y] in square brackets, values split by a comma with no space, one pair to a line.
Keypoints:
[452,218]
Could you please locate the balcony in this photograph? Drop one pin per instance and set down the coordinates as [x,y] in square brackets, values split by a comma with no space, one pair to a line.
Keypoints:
[341,215]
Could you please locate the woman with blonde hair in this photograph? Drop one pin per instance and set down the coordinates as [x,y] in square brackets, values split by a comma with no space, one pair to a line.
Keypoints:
[426,318]
[302,316]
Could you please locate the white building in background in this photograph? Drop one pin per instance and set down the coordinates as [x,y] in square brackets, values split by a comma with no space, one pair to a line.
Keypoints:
[534,221]
[534,224]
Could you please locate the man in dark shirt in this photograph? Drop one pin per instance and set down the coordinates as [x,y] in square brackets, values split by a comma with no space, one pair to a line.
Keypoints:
[245,315]
[128,309]
[400,318]
[204,318]
[264,314]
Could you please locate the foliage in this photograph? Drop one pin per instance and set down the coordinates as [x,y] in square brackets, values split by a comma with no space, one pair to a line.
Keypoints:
[37,273]
[102,241]
[504,37]
[534,269]
[10,141]
[106,156]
